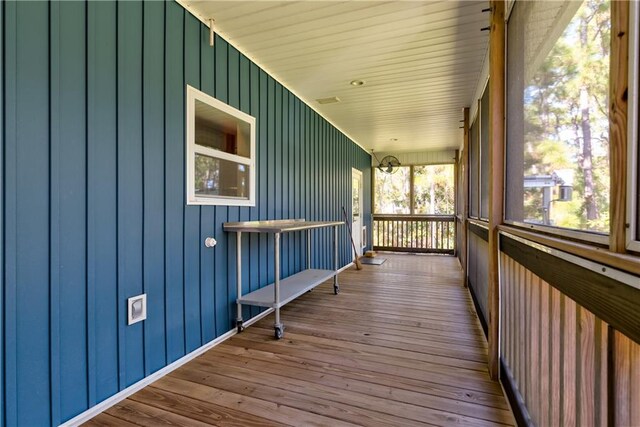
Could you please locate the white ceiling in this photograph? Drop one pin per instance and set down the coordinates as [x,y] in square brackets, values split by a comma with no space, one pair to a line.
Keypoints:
[420,60]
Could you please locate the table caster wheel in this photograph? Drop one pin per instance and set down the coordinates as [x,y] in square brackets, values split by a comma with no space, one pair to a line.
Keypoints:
[279,331]
[336,290]
[240,325]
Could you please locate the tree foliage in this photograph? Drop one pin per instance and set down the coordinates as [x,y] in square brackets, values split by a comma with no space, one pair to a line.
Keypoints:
[566,121]
[433,190]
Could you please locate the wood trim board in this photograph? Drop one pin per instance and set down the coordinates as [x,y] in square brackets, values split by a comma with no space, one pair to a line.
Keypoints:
[618,93]
[476,305]
[510,388]
[481,232]
[623,262]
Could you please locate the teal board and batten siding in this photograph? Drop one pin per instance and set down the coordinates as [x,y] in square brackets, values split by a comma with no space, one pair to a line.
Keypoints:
[93,209]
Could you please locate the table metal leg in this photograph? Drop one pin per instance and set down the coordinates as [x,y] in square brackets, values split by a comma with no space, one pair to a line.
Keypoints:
[239,321]
[336,286]
[308,249]
[278,327]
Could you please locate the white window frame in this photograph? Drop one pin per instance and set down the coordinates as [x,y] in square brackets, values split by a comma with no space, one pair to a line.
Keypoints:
[632,129]
[192,149]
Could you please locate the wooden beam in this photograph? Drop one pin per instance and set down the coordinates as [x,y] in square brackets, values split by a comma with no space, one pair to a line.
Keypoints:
[624,262]
[464,187]
[496,177]
[618,86]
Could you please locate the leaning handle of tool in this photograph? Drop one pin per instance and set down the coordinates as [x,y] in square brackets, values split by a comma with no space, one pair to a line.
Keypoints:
[355,253]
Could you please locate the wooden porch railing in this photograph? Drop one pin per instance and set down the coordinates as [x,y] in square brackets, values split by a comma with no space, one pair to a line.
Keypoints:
[425,233]
[566,358]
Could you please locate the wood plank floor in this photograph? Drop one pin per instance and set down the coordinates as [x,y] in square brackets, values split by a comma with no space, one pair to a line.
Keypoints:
[399,346]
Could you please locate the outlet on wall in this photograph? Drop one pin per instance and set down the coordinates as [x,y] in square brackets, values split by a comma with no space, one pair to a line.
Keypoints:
[136,309]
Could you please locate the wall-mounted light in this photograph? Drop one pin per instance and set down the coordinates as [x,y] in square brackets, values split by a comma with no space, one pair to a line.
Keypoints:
[212,33]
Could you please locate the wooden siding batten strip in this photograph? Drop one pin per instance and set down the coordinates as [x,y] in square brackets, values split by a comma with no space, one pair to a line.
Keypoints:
[207,213]
[2,203]
[618,86]
[90,299]
[153,149]
[496,183]
[54,210]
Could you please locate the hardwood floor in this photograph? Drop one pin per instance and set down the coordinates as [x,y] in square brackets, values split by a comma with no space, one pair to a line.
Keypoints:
[400,345]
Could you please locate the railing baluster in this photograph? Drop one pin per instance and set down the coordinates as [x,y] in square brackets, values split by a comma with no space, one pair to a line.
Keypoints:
[394,232]
[385,233]
[413,234]
[431,228]
[411,239]
[446,233]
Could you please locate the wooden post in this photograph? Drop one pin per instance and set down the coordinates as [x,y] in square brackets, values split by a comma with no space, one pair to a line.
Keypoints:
[464,187]
[618,88]
[618,84]
[496,177]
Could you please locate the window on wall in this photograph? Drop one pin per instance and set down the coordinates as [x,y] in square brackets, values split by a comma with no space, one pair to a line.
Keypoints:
[220,152]
[417,190]
[474,170]
[558,127]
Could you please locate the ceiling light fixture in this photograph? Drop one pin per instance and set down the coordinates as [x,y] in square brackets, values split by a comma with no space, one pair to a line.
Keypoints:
[331,100]
[356,82]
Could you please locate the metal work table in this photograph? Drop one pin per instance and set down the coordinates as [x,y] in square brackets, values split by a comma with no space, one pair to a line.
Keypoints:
[282,291]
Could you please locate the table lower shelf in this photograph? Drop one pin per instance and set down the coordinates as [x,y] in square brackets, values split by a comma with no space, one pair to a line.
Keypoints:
[290,288]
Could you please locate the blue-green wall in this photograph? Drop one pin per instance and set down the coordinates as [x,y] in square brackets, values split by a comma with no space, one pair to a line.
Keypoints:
[93,206]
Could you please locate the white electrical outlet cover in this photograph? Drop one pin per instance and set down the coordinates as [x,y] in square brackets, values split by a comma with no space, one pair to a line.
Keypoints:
[136,309]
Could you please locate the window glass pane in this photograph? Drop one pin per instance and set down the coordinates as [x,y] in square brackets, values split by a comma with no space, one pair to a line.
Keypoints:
[221,178]
[221,131]
[433,189]
[355,196]
[392,191]
[557,103]
[474,153]
[484,155]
